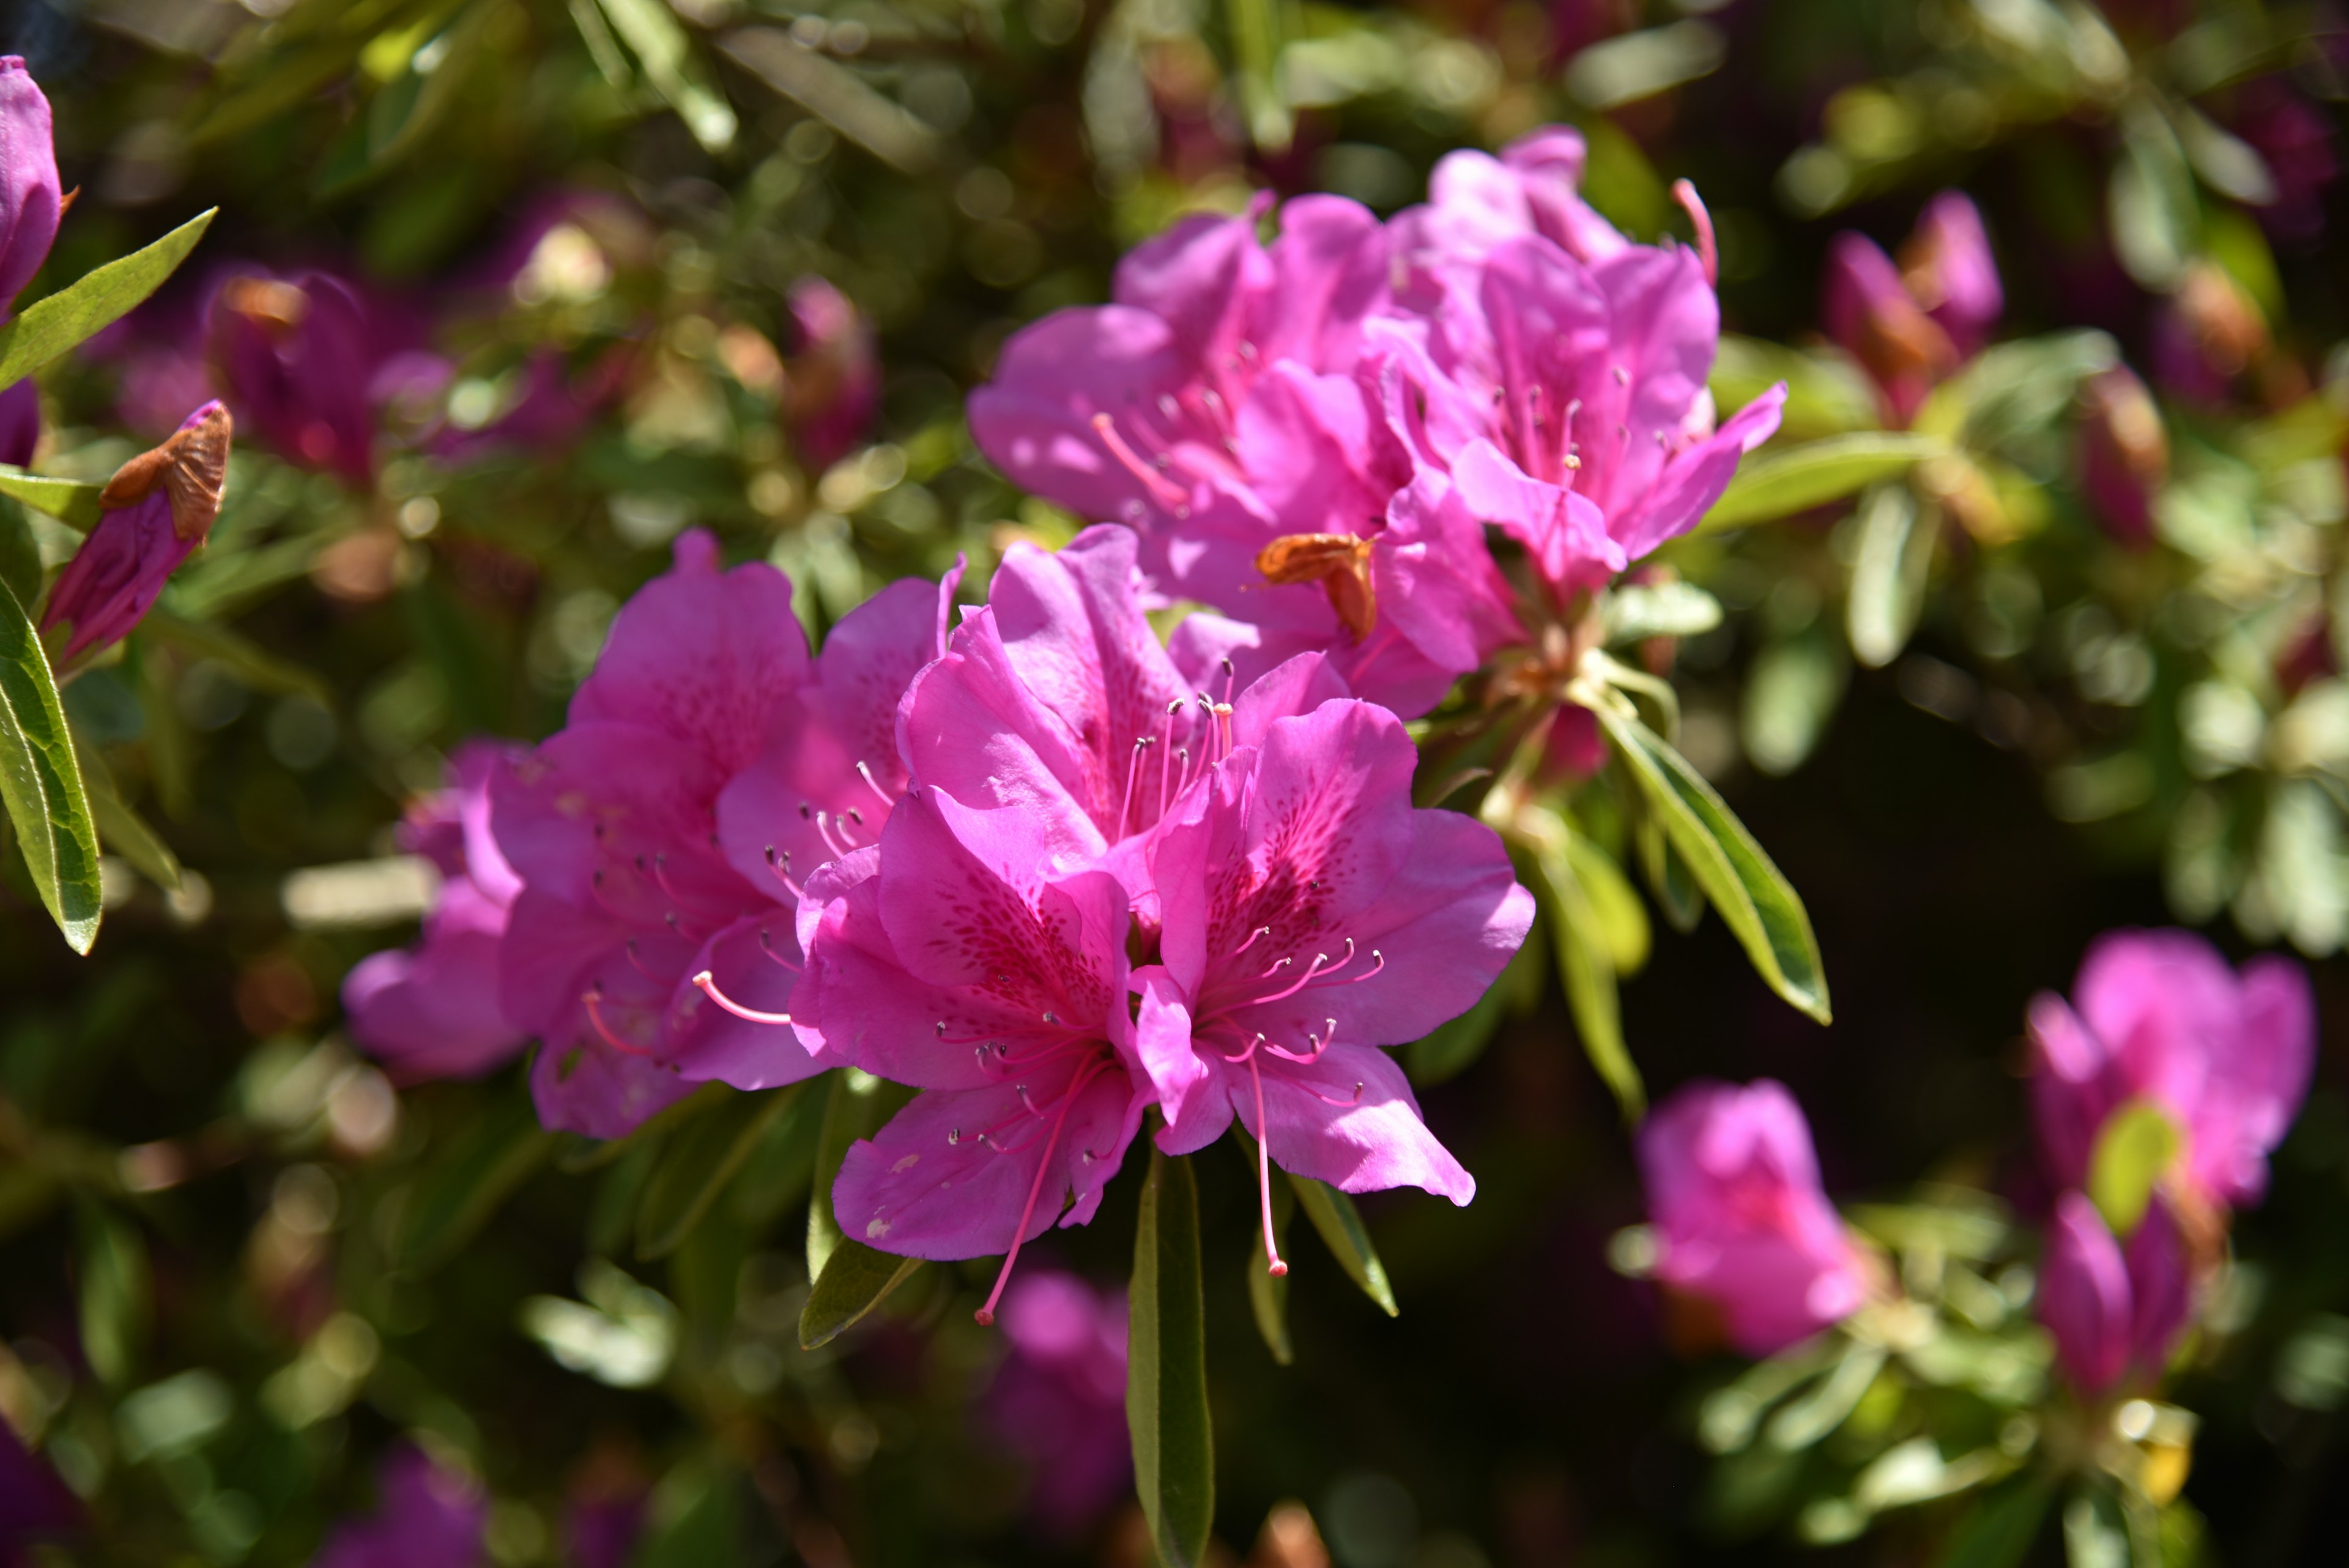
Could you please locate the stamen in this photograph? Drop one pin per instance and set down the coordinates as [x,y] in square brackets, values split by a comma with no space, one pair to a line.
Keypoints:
[1227,680]
[1273,1265]
[1300,983]
[748,1014]
[1319,1043]
[1353,1099]
[1163,491]
[592,998]
[1378,963]
[1172,709]
[1702,222]
[824,825]
[986,1313]
[780,865]
[638,962]
[1133,765]
[1259,931]
[879,793]
[767,946]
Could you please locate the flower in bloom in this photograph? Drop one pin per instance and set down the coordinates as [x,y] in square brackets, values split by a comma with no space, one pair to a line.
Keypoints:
[1058,1401]
[833,378]
[708,763]
[1733,1192]
[30,206]
[2124,453]
[159,507]
[425,1512]
[307,360]
[2157,1017]
[1911,324]
[2112,1308]
[35,1504]
[1309,915]
[431,1010]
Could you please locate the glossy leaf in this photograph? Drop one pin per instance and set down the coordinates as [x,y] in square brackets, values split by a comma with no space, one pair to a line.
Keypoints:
[849,1101]
[478,1172]
[1827,394]
[77,312]
[696,1163]
[40,783]
[1780,482]
[68,501]
[661,46]
[2013,390]
[1756,899]
[1889,572]
[1635,611]
[115,1298]
[855,1281]
[1586,959]
[1167,1368]
[2000,1530]
[20,555]
[125,832]
[2134,1149]
[1341,1224]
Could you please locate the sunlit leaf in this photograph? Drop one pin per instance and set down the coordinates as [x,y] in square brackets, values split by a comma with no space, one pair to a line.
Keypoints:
[1779,482]
[1889,573]
[1585,958]
[2134,1148]
[855,1280]
[1341,1224]
[75,312]
[849,1099]
[1167,1368]
[652,31]
[40,783]
[70,501]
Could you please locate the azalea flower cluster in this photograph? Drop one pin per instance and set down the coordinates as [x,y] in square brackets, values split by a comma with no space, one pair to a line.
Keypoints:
[2158,1026]
[1311,434]
[1042,869]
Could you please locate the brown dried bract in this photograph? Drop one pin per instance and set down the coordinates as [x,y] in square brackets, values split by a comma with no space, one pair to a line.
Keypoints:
[1340,562]
[274,306]
[191,467]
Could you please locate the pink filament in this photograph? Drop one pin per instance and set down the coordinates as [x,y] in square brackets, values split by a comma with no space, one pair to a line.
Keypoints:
[1163,491]
[592,998]
[748,1014]
[1273,1265]
[986,1313]
[1702,221]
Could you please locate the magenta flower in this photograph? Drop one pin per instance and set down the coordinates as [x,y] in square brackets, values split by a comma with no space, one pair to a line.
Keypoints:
[2161,1019]
[969,956]
[20,423]
[424,1513]
[30,197]
[834,376]
[2112,1309]
[1867,310]
[1058,1401]
[1310,915]
[1477,202]
[160,506]
[1733,1193]
[2124,453]
[1948,269]
[309,359]
[707,764]
[431,1010]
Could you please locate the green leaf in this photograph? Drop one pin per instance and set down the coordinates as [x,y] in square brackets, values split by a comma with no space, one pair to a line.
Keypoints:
[1268,1292]
[1167,1368]
[1760,908]
[68,501]
[124,831]
[1827,394]
[855,1280]
[246,658]
[694,1166]
[1636,611]
[1783,480]
[1889,573]
[1257,29]
[1334,1215]
[1612,899]
[1669,877]
[20,555]
[1586,959]
[1791,691]
[650,28]
[2095,1535]
[2013,390]
[78,311]
[850,1098]
[40,783]
[1806,1420]
[117,1306]
[471,1180]
[2136,1145]
[2150,206]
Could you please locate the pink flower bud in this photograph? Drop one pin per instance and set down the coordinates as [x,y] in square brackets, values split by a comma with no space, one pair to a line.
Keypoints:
[30,202]
[835,375]
[2112,1309]
[2124,453]
[1948,271]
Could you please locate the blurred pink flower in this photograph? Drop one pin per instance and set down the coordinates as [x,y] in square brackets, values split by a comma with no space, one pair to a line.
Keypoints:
[1734,1194]
[36,1506]
[431,1010]
[30,200]
[2112,1309]
[2124,453]
[2295,138]
[423,1514]
[1912,324]
[833,375]
[1058,1401]
[2160,1018]
[1948,271]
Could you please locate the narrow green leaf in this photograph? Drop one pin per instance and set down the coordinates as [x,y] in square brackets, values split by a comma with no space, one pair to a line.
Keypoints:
[1268,1292]
[481,1169]
[1334,1215]
[68,501]
[1635,611]
[850,1098]
[695,1165]
[126,833]
[1612,900]
[1792,691]
[1760,908]
[20,555]
[1827,392]
[1256,34]
[1786,480]
[75,312]
[855,1280]
[40,783]
[2136,1148]
[1808,1419]
[1889,572]
[661,46]
[246,658]
[1167,1368]
[117,1306]
[1585,960]
[1668,875]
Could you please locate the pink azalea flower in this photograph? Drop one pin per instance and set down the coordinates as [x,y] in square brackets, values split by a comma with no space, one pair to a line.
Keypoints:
[424,1513]
[656,834]
[1733,1192]
[1059,1398]
[30,198]
[1911,324]
[159,507]
[1949,270]
[968,956]
[431,1010]
[2160,1018]
[1310,915]
[2123,454]
[2109,1308]
[833,377]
